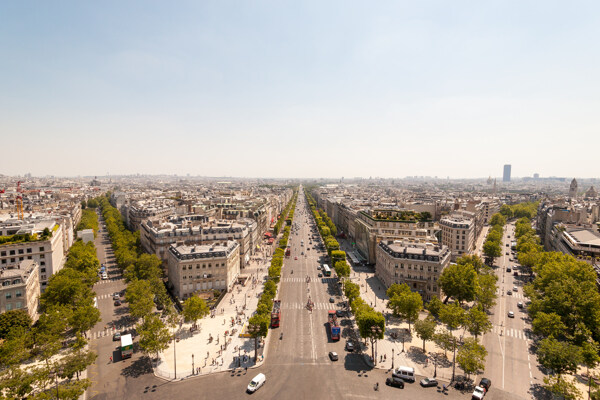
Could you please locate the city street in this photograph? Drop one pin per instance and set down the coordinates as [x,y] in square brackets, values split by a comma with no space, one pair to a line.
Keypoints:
[511,364]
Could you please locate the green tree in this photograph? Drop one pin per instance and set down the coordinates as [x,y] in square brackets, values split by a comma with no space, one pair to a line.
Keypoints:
[485,294]
[425,329]
[562,388]
[471,356]
[366,320]
[444,340]
[498,219]
[140,298]
[459,282]
[342,269]
[434,306]
[84,317]
[11,319]
[406,306]
[548,325]
[453,315]
[560,357]
[492,250]
[473,260]
[154,335]
[66,287]
[261,322]
[477,321]
[352,291]
[194,308]
[590,359]
[397,289]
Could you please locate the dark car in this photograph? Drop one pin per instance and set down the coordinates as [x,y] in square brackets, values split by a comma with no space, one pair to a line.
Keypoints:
[508,269]
[485,383]
[339,313]
[395,382]
[320,275]
[117,303]
[331,300]
[515,273]
[429,382]
[116,336]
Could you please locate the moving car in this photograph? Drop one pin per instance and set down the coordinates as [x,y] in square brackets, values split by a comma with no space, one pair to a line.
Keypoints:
[508,269]
[520,304]
[320,275]
[515,289]
[511,314]
[117,336]
[256,383]
[429,382]
[395,382]
[296,257]
[333,356]
[508,292]
[331,300]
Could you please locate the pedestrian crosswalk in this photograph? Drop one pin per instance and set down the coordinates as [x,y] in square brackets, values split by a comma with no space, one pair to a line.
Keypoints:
[109,280]
[516,295]
[515,333]
[303,280]
[300,306]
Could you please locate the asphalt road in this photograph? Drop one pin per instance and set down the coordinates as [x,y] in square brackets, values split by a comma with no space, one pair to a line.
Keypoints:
[511,364]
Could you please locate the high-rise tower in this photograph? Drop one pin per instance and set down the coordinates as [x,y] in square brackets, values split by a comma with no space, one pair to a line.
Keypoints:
[573,189]
[506,176]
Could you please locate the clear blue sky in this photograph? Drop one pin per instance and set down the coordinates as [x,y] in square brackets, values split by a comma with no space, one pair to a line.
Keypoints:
[300,89]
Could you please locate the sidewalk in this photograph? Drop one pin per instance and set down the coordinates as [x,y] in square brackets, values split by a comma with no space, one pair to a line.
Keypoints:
[373,292]
[195,354]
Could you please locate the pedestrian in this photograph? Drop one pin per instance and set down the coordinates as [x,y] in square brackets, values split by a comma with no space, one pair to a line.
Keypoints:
[444,388]
[110,358]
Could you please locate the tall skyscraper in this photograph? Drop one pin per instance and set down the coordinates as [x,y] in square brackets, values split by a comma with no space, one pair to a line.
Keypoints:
[506,176]
[573,189]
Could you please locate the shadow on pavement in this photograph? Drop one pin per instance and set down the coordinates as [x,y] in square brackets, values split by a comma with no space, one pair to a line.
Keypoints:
[356,362]
[139,367]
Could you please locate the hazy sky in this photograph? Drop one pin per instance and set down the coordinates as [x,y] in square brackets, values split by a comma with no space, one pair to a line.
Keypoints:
[300,88]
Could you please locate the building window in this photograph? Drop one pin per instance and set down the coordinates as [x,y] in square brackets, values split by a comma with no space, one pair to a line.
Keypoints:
[42,248]
[42,262]
[29,250]
[9,295]
[12,252]
[4,261]
[18,293]
[8,306]
[3,254]
[29,257]
[42,256]
[21,251]
[43,270]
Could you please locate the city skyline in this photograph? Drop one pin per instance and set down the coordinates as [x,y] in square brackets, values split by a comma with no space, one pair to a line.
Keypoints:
[299,90]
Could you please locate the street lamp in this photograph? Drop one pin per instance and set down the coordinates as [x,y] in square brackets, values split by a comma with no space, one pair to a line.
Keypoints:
[254,330]
[193,366]
[175,355]
[375,330]
[239,357]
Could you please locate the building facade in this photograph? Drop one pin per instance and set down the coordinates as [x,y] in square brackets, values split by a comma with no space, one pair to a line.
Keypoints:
[459,233]
[419,265]
[195,269]
[20,288]
[506,174]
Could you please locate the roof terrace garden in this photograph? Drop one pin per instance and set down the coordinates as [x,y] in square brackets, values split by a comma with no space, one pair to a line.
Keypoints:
[25,237]
[398,216]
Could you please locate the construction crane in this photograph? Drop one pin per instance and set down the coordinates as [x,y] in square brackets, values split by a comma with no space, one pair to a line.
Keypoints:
[19,201]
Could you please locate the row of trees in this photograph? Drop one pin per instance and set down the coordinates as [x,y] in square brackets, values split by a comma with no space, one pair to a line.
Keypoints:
[492,247]
[67,311]
[564,309]
[89,220]
[283,215]
[521,210]
[90,203]
[145,287]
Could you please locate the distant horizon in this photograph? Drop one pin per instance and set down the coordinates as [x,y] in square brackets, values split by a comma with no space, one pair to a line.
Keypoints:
[498,178]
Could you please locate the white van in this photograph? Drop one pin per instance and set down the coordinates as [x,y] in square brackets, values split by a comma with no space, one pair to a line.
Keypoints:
[406,373]
[256,383]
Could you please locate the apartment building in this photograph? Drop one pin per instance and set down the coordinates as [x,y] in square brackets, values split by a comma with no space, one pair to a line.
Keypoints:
[459,233]
[143,210]
[373,226]
[48,252]
[156,237]
[419,265]
[194,269]
[20,288]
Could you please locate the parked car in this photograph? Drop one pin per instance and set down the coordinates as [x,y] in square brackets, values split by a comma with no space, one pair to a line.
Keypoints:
[331,300]
[104,276]
[511,314]
[395,382]
[349,346]
[117,336]
[515,289]
[333,356]
[429,382]
[485,383]
[520,304]
[478,393]
[116,296]
[339,313]
[320,275]
[117,303]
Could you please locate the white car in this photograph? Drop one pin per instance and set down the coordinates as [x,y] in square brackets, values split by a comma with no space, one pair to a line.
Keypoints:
[256,383]
[511,314]
[104,275]
[478,393]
